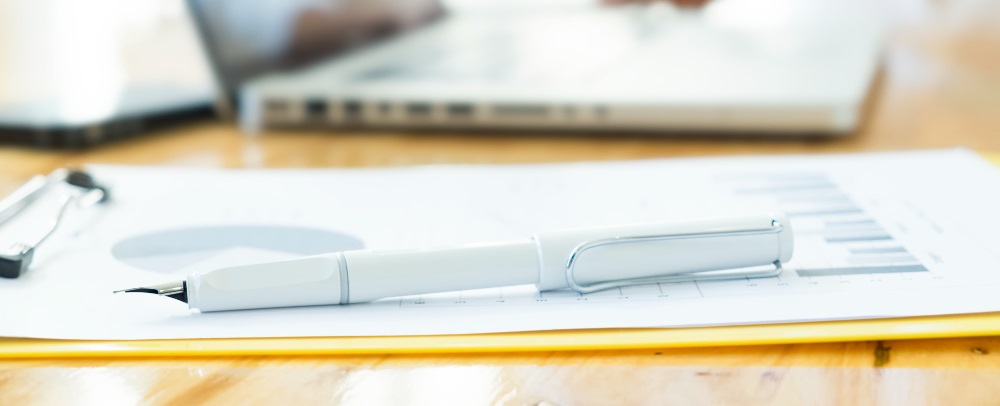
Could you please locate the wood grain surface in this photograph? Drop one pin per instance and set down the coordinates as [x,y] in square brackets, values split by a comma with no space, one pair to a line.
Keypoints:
[939,87]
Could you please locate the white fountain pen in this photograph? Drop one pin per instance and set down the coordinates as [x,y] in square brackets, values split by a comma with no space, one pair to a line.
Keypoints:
[585,260]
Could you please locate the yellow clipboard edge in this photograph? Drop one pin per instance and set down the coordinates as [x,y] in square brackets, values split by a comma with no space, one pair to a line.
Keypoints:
[949,326]
[967,325]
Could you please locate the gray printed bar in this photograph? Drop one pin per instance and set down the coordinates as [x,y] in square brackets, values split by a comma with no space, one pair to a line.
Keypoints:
[868,223]
[879,236]
[813,197]
[861,270]
[878,250]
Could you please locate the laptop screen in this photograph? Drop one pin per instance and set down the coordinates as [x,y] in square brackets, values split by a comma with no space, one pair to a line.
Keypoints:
[246,39]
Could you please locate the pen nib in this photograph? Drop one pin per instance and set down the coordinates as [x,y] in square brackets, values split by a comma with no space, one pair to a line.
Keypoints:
[174,290]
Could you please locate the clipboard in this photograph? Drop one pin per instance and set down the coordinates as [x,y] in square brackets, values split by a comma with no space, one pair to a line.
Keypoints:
[949,326]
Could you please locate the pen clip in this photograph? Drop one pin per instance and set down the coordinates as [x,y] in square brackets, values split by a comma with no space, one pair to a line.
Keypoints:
[574,255]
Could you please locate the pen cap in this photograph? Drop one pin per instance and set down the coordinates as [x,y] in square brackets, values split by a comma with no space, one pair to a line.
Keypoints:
[306,281]
[664,249]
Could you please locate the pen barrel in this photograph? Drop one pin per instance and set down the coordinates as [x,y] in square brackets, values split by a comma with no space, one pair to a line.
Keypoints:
[667,249]
[373,275]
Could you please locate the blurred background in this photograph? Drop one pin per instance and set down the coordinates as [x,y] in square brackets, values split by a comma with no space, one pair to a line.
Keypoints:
[84,73]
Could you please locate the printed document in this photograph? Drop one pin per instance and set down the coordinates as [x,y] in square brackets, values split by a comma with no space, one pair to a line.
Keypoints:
[876,235]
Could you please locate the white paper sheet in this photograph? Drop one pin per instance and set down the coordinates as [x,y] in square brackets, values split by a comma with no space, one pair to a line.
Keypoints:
[877,235]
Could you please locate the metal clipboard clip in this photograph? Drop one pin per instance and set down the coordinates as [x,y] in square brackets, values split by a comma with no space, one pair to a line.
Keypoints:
[775,228]
[83,191]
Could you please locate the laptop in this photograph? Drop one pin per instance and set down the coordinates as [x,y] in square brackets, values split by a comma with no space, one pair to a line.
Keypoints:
[561,65]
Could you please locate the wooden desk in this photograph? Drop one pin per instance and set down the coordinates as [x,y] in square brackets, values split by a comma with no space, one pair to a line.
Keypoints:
[940,87]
